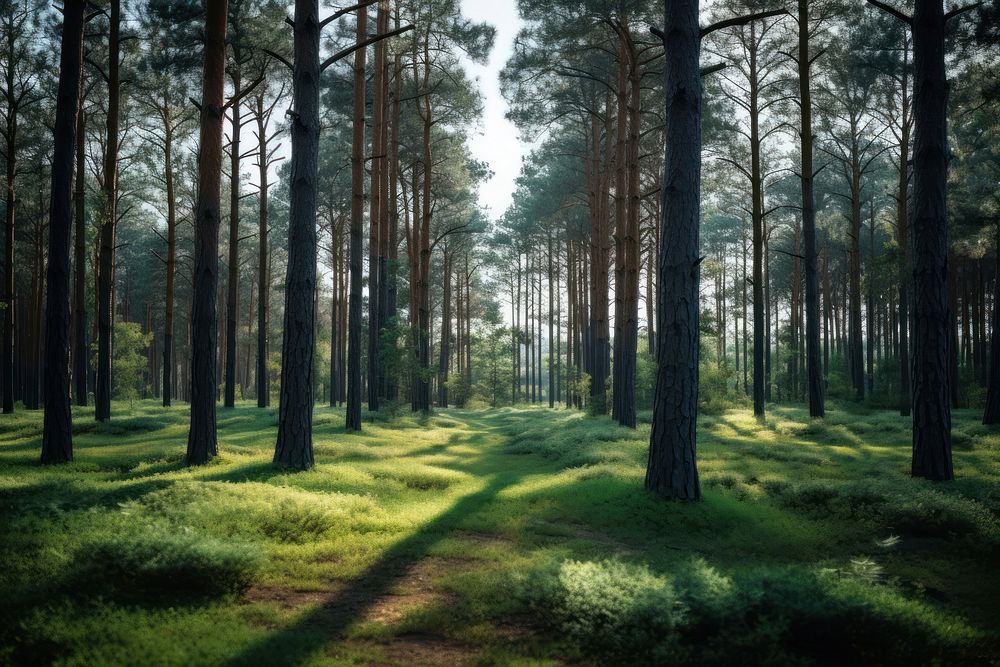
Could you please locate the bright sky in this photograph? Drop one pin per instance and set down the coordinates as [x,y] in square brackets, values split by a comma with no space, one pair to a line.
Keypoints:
[497,142]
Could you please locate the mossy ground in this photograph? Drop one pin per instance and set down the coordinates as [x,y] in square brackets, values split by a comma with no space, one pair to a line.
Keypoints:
[515,536]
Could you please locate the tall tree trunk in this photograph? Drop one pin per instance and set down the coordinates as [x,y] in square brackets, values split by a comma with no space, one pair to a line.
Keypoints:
[855,345]
[423,281]
[263,261]
[991,415]
[552,377]
[202,443]
[630,309]
[81,348]
[379,218]
[57,431]
[233,268]
[168,321]
[757,189]
[445,348]
[671,469]
[109,213]
[931,409]
[814,362]
[357,220]
[294,447]
[902,229]
[9,316]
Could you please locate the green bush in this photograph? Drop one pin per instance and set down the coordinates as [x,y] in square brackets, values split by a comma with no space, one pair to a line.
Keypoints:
[714,393]
[610,607]
[458,389]
[627,614]
[158,559]
[910,508]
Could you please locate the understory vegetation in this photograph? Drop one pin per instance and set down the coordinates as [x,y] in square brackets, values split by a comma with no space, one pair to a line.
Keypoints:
[513,536]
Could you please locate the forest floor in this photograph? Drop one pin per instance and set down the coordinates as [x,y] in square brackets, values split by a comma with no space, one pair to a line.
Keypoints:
[513,536]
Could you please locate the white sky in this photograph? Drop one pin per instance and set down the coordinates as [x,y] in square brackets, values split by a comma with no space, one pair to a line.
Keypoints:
[497,141]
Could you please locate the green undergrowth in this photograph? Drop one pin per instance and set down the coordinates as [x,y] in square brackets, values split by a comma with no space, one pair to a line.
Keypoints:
[513,536]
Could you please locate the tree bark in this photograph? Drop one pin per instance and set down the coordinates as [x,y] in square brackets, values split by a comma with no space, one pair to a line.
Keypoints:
[263,266]
[57,431]
[109,212]
[814,360]
[202,443]
[357,220]
[81,350]
[233,265]
[671,470]
[168,326]
[931,408]
[294,447]
[991,415]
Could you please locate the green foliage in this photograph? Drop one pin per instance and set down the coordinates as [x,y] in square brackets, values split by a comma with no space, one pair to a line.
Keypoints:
[130,362]
[715,392]
[914,509]
[159,559]
[459,390]
[625,611]
[760,616]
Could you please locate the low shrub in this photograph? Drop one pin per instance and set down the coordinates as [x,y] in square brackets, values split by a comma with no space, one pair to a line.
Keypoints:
[627,614]
[908,507]
[160,559]
[610,607]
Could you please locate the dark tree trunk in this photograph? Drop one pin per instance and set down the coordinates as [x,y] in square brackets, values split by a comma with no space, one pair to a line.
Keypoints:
[168,326]
[109,212]
[991,415]
[630,308]
[855,345]
[233,267]
[81,349]
[671,470]
[552,377]
[621,204]
[202,443]
[931,409]
[8,360]
[357,220]
[902,227]
[757,190]
[445,348]
[294,448]
[57,433]
[263,266]
[379,219]
[814,361]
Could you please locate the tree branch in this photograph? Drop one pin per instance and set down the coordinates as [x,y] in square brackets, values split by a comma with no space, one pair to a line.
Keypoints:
[892,11]
[740,20]
[343,53]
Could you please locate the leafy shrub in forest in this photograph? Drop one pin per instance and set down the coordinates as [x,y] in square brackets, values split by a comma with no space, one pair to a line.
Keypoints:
[762,616]
[610,607]
[164,559]
[909,508]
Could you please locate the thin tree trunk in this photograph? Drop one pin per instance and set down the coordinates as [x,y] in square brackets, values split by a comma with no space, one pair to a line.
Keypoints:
[357,220]
[105,271]
[233,268]
[81,350]
[814,362]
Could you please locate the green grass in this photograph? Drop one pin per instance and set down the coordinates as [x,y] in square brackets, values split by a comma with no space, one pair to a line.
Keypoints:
[516,536]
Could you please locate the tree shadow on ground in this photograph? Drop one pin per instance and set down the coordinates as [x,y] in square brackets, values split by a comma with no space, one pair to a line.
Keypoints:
[317,627]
